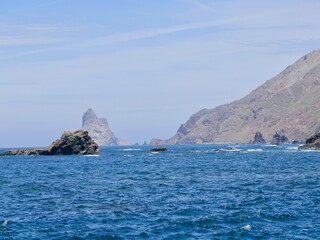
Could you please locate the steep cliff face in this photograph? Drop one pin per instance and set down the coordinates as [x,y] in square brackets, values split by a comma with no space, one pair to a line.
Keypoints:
[99,130]
[288,103]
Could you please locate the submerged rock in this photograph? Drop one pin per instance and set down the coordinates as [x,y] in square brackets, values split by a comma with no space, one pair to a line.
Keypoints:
[278,139]
[258,139]
[71,142]
[158,149]
[312,143]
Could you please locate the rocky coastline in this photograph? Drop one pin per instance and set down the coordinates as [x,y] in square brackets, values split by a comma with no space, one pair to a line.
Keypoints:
[312,143]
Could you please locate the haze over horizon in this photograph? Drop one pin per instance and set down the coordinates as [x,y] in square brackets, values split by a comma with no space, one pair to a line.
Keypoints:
[146,66]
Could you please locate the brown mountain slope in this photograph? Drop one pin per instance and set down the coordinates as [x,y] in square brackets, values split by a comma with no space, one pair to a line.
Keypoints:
[288,102]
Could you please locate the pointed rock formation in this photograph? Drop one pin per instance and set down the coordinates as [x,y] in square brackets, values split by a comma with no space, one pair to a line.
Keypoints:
[258,139]
[278,139]
[289,101]
[99,130]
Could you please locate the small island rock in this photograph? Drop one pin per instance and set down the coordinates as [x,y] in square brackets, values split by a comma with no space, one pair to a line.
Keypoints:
[258,139]
[71,143]
[279,139]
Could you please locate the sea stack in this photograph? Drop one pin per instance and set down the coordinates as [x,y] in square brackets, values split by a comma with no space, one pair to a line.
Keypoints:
[99,130]
[278,139]
[71,143]
[258,139]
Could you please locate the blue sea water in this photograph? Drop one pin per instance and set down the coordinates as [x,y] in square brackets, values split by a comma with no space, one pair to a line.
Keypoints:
[188,192]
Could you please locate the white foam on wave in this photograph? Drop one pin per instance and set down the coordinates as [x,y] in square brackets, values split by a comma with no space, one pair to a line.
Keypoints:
[131,149]
[255,150]
[129,155]
[92,155]
[5,223]
[292,148]
[309,150]
[247,227]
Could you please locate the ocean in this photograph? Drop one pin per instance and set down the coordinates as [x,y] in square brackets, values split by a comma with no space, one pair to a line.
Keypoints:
[188,192]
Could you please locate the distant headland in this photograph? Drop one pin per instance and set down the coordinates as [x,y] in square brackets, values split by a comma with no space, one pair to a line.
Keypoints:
[287,105]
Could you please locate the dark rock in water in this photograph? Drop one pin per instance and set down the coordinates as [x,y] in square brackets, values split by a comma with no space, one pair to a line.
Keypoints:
[158,150]
[70,143]
[296,142]
[312,143]
[227,149]
[258,139]
[25,152]
[279,139]
[77,142]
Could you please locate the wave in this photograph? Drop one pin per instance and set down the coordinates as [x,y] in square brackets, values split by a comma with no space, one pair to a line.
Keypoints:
[131,149]
[247,227]
[255,150]
[292,148]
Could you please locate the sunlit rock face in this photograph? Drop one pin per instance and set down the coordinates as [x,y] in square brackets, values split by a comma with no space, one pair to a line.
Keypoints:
[287,103]
[99,130]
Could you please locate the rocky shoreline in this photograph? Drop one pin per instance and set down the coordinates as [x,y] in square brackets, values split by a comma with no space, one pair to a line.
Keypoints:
[312,143]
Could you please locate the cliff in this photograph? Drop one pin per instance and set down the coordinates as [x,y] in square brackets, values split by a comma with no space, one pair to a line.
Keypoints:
[287,103]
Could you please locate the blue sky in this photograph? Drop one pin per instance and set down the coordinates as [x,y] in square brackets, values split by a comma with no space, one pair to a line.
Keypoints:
[144,65]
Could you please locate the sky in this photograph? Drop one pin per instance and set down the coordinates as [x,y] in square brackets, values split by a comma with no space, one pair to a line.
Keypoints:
[145,65]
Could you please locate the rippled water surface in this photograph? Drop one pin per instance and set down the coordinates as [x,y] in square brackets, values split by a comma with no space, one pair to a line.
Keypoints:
[189,192]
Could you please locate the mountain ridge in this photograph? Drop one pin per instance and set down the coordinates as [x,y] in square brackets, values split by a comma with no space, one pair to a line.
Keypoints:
[287,102]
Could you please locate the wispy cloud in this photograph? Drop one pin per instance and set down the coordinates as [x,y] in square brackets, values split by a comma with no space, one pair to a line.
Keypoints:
[15,84]
[149,33]
[17,34]
[20,40]
[110,39]
[12,29]
[30,34]
[201,5]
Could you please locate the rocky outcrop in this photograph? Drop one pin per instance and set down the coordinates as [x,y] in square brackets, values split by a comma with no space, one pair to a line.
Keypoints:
[99,130]
[162,149]
[71,142]
[289,101]
[278,139]
[258,139]
[312,143]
